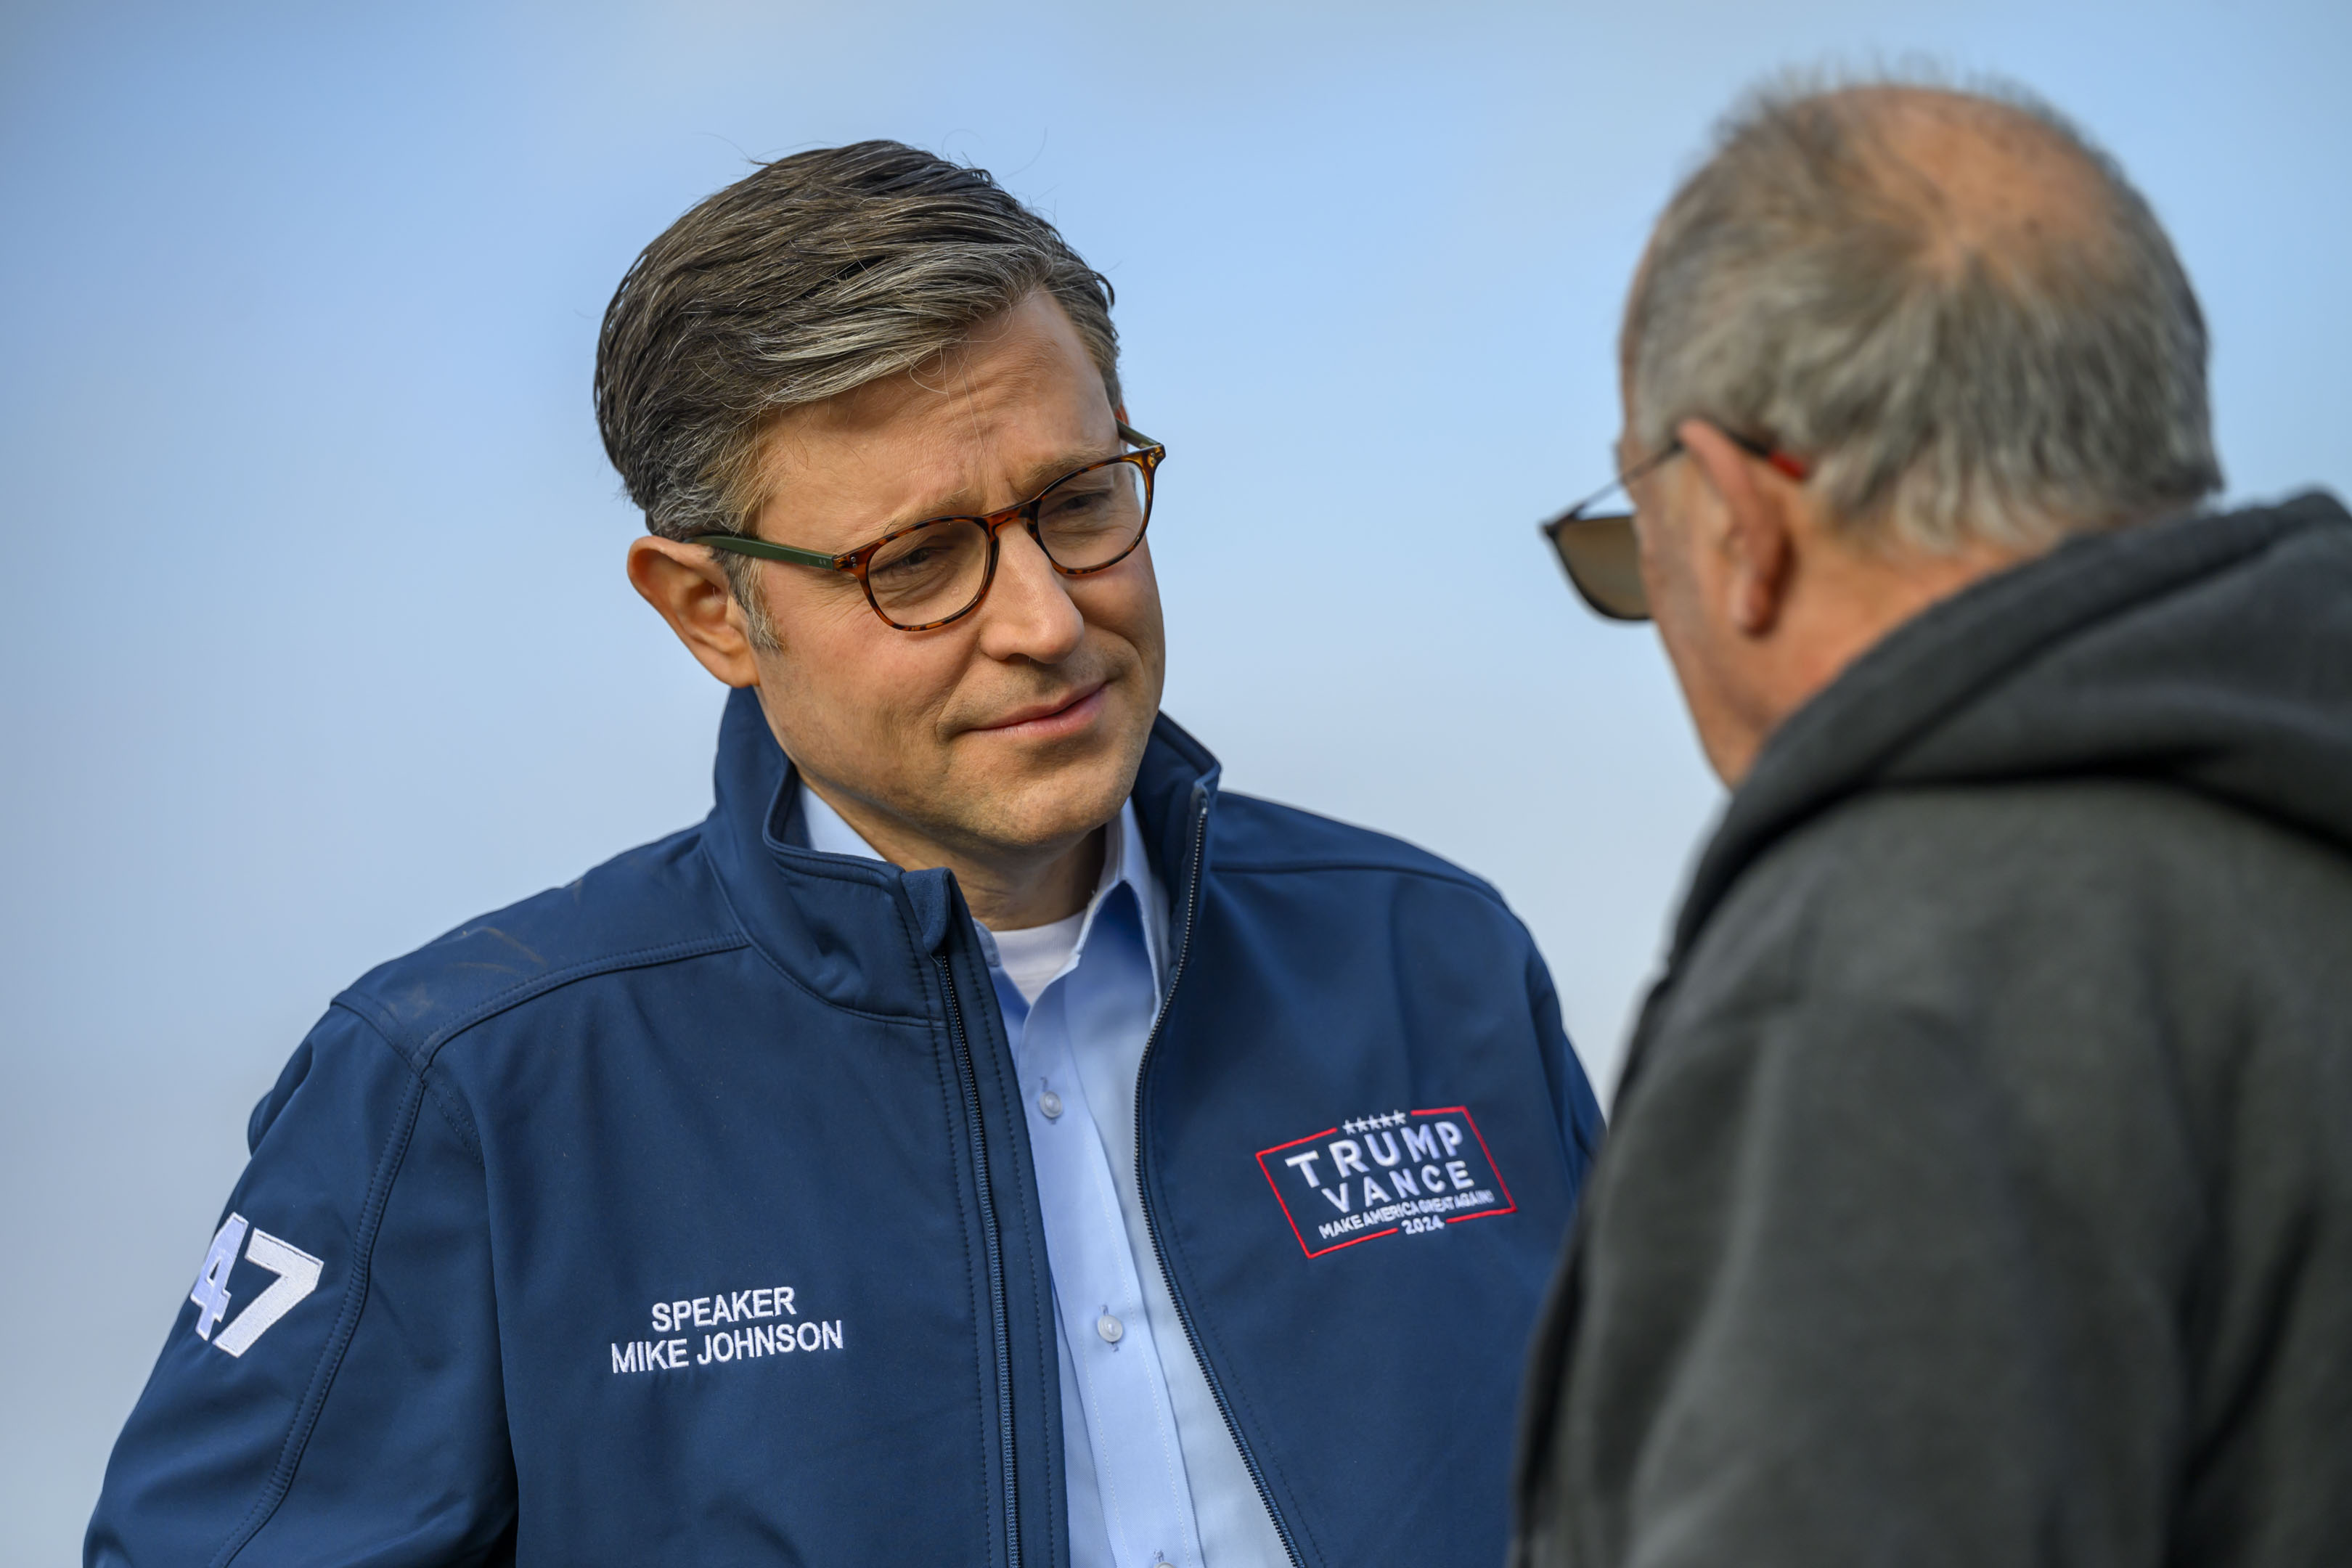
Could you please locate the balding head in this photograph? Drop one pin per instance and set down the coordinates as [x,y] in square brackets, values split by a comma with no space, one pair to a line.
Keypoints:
[1987,182]
[1957,309]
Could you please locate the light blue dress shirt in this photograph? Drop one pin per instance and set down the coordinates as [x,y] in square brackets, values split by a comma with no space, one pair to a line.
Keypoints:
[1153,1472]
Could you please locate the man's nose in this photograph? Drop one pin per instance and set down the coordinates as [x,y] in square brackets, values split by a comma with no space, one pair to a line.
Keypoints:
[1029,612]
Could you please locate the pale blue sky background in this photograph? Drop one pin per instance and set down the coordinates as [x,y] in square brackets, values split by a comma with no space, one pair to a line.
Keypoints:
[313,628]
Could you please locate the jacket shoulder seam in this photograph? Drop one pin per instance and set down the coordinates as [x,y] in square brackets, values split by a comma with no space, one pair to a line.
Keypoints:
[1336,863]
[389,1164]
[1449,876]
[422,1053]
[445,1100]
[452,1111]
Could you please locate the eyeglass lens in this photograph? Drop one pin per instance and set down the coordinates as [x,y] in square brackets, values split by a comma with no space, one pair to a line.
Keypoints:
[1085,522]
[1603,559]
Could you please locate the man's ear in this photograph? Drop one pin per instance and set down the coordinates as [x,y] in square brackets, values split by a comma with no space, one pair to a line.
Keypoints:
[690,590]
[1757,552]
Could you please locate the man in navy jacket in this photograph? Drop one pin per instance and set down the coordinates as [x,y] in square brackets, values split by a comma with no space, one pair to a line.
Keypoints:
[980,1141]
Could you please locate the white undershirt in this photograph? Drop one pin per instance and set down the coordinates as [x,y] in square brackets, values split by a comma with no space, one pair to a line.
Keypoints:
[1031,958]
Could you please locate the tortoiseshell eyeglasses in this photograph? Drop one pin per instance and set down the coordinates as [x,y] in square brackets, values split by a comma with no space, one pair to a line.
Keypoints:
[1601,554]
[930,573]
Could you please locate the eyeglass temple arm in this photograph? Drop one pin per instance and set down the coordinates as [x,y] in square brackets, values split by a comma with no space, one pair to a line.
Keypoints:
[1795,468]
[742,544]
[1551,526]
[1765,452]
[1133,437]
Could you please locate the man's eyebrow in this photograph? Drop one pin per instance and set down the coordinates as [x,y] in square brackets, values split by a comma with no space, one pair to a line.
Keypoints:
[1034,479]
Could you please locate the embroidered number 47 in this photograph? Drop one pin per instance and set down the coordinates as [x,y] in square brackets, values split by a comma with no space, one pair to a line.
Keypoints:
[298,1276]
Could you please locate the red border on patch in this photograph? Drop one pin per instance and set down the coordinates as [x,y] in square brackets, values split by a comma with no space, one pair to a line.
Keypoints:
[1509,1205]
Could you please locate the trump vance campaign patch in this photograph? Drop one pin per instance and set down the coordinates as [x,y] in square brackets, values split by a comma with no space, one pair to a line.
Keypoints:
[1406,1173]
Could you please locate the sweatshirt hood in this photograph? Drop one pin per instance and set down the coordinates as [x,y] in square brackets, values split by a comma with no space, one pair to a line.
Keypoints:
[2213,651]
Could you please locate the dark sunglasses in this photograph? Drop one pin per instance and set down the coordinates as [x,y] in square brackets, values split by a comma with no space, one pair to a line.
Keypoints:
[1601,552]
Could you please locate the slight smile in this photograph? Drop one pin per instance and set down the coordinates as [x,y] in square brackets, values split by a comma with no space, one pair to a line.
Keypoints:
[1052,721]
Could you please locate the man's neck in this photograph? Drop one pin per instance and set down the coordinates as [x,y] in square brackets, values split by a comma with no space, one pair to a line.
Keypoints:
[1017,899]
[1014,890]
[1857,600]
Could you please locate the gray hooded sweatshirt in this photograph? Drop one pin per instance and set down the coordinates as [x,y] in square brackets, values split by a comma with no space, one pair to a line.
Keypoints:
[1981,1186]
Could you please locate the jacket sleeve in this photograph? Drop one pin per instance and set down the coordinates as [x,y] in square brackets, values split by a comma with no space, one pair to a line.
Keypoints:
[1573,1101]
[1856,1292]
[329,1391]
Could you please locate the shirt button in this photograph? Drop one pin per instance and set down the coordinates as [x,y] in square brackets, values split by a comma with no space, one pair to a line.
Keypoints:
[1110,1328]
[1051,1104]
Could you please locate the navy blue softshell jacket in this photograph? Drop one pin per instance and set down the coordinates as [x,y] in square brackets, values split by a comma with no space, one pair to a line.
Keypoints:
[685,1215]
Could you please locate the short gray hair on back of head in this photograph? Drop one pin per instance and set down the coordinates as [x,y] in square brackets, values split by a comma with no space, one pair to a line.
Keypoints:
[811,277]
[1811,287]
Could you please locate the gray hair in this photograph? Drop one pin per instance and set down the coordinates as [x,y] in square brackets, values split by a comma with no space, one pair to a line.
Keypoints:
[810,277]
[1811,287]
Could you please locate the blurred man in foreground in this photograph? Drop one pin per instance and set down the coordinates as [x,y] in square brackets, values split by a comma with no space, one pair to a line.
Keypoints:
[1980,1187]
[982,1140]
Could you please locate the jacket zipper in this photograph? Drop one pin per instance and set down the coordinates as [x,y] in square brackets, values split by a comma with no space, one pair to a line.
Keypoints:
[1151,1219]
[969,1075]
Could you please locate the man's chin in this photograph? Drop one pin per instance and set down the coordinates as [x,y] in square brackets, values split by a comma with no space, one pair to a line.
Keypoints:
[1050,807]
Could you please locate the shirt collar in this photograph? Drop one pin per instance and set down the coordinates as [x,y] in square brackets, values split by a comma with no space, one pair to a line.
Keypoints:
[828,831]
[1126,862]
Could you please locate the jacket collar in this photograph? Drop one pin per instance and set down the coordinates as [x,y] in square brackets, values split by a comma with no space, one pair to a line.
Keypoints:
[858,933]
